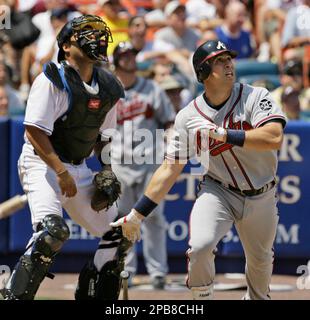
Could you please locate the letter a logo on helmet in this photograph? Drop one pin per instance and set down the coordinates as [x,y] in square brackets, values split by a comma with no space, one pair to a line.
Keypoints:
[221,45]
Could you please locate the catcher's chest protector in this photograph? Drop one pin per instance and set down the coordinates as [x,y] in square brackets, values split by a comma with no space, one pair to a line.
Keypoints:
[75,133]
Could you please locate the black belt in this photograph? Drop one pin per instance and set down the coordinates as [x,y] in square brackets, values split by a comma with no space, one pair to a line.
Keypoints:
[247,193]
[74,162]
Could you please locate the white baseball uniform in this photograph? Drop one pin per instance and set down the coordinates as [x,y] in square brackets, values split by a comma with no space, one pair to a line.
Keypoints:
[219,204]
[40,182]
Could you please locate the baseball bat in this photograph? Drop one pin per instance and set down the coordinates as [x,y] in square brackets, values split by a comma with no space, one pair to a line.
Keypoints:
[9,207]
[125,276]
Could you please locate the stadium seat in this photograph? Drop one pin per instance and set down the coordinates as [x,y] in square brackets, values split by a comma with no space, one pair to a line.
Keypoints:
[247,67]
[305,115]
[269,81]
[145,65]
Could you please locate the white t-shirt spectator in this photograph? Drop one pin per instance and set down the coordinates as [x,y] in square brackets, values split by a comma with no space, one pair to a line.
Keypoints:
[198,10]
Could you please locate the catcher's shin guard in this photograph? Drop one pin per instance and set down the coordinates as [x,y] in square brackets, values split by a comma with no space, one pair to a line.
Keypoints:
[32,268]
[106,284]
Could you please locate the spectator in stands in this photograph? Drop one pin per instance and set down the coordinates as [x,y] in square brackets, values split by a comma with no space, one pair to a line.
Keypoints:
[177,38]
[206,36]
[168,77]
[26,5]
[156,17]
[290,103]
[173,88]
[292,54]
[85,6]
[220,7]
[15,105]
[232,32]
[291,76]
[59,18]
[137,30]
[19,35]
[7,51]
[137,7]
[176,35]
[34,56]
[296,30]
[270,18]
[43,21]
[4,102]
[161,70]
[264,82]
[21,32]
[201,14]
[116,17]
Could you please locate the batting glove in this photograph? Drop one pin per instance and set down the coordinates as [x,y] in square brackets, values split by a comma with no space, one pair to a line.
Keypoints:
[201,124]
[130,226]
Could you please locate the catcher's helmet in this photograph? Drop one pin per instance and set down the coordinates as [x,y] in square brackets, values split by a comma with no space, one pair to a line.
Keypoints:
[93,36]
[122,48]
[206,51]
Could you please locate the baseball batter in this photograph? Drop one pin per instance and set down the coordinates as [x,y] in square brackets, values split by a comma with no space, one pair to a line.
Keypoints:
[145,106]
[245,129]
[69,106]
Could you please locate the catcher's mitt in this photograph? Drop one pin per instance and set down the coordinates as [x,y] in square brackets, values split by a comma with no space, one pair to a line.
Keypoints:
[107,190]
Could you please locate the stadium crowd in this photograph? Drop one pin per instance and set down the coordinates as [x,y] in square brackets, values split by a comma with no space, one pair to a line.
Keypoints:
[266,33]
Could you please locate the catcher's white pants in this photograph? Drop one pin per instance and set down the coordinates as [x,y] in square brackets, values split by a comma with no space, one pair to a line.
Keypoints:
[44,195]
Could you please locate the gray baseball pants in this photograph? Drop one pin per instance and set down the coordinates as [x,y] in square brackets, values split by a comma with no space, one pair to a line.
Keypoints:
[255,218]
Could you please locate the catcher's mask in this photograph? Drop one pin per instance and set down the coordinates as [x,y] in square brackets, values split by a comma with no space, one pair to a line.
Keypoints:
[92,36]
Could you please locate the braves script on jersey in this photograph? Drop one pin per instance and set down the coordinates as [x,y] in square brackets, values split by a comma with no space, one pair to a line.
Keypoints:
[248,107]
[144,109]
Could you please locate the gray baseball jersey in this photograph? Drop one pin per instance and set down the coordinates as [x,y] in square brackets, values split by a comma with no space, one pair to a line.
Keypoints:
[248,107]
[145,106]
[217,206]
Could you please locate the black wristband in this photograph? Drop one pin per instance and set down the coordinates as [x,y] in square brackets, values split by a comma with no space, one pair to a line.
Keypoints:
[235,137]
[145,205]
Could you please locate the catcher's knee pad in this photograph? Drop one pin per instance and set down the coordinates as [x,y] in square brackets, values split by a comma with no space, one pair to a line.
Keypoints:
[31,269]
[106,283]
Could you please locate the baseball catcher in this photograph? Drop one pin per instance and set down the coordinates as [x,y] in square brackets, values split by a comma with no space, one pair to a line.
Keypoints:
[71,107]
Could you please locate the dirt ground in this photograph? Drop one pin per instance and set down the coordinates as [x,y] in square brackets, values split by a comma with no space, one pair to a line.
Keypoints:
[227,287]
